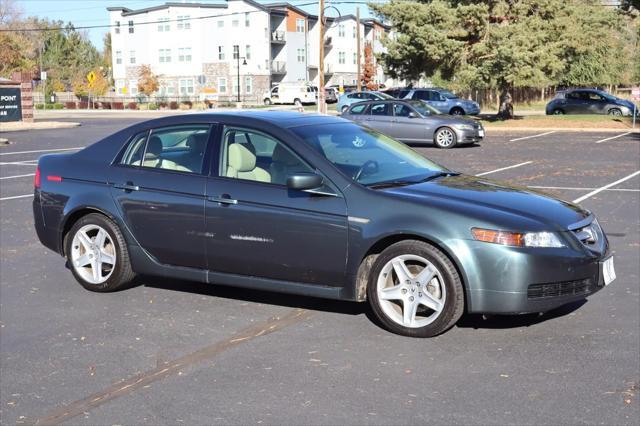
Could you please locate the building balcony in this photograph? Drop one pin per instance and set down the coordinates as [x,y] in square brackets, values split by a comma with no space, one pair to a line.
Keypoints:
[277,37]
[278,67]
[328,43]
[328,69]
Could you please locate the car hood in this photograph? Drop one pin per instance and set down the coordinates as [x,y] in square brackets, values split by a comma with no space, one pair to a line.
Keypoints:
[453,119]
[624,102]
[494,202]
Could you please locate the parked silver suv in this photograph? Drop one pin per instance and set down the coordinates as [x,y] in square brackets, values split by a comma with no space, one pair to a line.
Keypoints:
[444,101]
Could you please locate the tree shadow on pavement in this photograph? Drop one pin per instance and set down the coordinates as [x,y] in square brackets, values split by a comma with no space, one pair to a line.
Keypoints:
[477,321]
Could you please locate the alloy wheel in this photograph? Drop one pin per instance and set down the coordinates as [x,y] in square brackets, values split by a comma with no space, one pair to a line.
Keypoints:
[93,254]
[411,291]
[445,137]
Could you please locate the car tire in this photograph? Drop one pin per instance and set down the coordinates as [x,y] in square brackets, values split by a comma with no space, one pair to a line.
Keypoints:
[97,240]
[615,112]
[388,295]
[456,111]
[558,111]
[344,109]
[267,101]
[445,138]
[297,102]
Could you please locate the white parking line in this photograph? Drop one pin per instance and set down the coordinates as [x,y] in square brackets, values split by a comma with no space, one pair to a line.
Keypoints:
[532,136]
[19,163]
[41,150]
[17,176]
[613,137]
[16,197]
[592,193]
[504,168]
[572,188]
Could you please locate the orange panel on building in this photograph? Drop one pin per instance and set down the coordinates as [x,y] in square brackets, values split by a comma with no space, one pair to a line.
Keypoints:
[292,16]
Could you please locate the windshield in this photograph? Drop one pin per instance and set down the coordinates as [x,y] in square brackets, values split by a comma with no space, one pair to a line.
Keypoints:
[382,95]
[366,156]
[448,94]
[424,108]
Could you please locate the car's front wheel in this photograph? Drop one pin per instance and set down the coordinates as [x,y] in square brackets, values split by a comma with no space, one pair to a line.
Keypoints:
[445,138]
[97,254]
[558,111]
[267,101]
[415,290]
[615,112]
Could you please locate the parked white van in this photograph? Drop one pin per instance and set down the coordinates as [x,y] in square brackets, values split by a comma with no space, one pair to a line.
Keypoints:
[291,93]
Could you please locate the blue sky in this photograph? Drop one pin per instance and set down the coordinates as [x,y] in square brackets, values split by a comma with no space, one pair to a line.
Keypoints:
[94,12]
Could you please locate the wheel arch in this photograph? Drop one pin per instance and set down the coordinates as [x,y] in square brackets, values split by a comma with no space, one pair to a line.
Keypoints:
[74,216]
[457,107]
[364,266]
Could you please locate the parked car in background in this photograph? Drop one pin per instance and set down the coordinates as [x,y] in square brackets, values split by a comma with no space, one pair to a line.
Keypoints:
[397,92]
[444,101]
[415,122]
[329,95]
[290,93]
[350,98]
[589,101]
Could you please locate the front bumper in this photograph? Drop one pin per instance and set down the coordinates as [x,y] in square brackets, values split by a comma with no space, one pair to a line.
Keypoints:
[469,136]
[507,280]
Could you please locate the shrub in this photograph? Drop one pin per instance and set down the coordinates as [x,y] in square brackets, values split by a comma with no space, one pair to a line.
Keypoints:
[152,106]
[106,105]
[83,105]
[132,105]
[162,105]
[117,105]
[70,105]
[188,104]
[173,105]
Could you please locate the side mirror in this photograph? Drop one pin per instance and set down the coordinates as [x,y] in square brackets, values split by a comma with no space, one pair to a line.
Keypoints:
[413,115]
[304,181]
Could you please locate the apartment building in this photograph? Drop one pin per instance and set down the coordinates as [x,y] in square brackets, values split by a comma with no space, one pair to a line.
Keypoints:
[196,47]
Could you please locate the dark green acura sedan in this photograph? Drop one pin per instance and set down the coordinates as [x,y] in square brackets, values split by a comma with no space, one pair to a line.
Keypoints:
[317,206]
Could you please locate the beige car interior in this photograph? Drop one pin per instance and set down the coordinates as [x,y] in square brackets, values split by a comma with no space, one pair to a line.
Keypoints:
[152,157]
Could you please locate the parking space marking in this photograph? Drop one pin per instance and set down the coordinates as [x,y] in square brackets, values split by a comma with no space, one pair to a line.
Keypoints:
[17,176]
[603,188]
[15,197]
[41,150]
[19,163]
[613,137]
[572,188]
[532,136]
[504,168]
[68,411]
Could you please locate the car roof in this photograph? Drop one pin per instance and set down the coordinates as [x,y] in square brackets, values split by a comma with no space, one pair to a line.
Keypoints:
[286,119]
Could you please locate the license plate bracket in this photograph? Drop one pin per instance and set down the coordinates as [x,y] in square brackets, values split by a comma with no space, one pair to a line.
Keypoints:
[607,271]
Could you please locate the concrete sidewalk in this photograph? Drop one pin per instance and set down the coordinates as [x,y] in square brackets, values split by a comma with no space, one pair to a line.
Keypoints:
[17,126]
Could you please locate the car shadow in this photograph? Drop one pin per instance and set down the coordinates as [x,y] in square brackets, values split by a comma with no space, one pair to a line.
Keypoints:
[432,146]
[477,321]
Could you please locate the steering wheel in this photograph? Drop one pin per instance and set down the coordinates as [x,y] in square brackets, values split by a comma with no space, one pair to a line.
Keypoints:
[370,166]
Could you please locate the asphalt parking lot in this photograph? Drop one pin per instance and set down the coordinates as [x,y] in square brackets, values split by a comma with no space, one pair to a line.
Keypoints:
[168,352]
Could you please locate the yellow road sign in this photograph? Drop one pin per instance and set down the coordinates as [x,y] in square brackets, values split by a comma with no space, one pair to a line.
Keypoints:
[91,77]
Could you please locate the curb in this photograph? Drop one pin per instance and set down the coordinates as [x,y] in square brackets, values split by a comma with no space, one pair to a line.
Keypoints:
[559,129]
[38,125]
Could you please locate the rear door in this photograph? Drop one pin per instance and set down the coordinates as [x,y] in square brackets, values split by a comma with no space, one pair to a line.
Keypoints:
[159,187]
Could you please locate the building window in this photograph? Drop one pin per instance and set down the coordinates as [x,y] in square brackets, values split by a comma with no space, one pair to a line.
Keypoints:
[164,55]
[130,27]
[220,24]
[222,85]
[163,26]
[341,57]
[221,53]
[300,25]
[341,30]
[300,55]
[133,87]
[235,23]
[118,57]
[117,29]
[184,23]
[247,22]
[236,51]
[355,58]
[247,52]
[170,90]
[186,86]
[184,54]
[132,56]
[248,85]
[354,32]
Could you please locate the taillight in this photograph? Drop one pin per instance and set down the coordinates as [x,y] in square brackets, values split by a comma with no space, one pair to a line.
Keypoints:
[51,178]
[36,178]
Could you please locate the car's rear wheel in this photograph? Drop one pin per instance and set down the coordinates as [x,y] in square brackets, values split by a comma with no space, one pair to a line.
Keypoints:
[415,290]
[297,102]
[97,254]
[558,111]
[456,111]
[445,138]
[267,101]
[615,112]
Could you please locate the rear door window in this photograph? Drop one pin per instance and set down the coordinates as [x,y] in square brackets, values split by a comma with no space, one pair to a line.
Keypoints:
[358,109]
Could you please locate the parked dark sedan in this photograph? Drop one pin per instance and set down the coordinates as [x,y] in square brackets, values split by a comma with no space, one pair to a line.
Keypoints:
[589,101]
[313,205]
[416,122]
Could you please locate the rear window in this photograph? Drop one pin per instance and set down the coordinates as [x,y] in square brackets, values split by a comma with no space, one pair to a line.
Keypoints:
[358,109]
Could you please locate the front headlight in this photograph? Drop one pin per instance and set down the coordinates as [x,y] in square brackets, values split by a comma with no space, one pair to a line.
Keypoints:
[465,126]
[517,239]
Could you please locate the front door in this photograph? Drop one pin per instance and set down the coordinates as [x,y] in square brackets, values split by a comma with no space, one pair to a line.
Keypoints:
[406,128]
[256,226]
[159,189]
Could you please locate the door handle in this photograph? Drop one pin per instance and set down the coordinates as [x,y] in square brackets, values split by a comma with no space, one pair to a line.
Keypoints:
[128,187]
[224,199]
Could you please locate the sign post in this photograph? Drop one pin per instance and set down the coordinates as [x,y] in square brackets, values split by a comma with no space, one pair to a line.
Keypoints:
[91,77]
[635,95]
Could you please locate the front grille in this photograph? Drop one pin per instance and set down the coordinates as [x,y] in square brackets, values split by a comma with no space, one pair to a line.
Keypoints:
[564,288]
